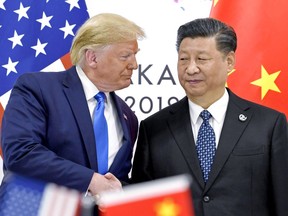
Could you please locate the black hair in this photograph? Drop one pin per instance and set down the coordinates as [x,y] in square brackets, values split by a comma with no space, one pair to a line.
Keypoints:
[225,36]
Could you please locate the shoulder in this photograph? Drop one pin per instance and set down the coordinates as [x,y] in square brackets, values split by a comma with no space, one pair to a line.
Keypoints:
[259,110]
[43,79]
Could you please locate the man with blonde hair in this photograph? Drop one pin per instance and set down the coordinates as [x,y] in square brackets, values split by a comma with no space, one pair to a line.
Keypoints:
[48,127]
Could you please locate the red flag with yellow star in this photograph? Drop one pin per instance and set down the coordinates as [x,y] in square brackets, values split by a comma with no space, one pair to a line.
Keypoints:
[261,70]
[165,197]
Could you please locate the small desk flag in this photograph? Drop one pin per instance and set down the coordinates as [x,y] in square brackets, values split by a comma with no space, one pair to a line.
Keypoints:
[164,197]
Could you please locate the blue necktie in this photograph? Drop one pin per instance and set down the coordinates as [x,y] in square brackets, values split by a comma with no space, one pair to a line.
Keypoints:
[101,133]
[206,144]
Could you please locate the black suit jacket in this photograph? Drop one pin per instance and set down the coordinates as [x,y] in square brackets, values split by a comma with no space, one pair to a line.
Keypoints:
[249,176]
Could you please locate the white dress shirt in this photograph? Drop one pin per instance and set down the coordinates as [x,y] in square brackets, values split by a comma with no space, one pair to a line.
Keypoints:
[115,132]
[218,112]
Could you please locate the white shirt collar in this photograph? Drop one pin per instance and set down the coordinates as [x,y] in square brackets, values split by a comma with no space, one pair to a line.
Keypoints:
[217,109]
[90,89]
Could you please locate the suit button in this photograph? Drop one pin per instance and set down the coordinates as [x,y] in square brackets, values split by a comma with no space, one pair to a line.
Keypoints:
[206,199]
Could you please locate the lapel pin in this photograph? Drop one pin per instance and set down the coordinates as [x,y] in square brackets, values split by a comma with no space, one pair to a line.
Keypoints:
[125,117]
[242,117]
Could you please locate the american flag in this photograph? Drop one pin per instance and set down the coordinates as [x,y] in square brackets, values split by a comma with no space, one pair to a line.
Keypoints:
[29,197]
[34,34]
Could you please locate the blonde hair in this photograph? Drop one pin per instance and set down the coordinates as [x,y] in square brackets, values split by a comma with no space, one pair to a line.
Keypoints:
[102,30]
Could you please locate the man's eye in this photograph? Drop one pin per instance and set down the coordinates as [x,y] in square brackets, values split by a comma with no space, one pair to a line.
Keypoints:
[126,56]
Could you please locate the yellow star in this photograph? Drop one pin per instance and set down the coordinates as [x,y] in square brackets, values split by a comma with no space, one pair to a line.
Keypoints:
[267,82]
[167,208]
[215,2]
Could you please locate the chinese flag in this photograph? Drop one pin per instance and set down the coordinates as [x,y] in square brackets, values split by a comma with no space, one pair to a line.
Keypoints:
[165,197]
[261,71]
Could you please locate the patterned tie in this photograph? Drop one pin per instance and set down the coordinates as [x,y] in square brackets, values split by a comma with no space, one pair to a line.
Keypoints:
[206,144]
[101,133]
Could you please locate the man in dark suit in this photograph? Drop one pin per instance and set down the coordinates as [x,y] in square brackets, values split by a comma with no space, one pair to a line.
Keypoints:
[47,130]
[248,175]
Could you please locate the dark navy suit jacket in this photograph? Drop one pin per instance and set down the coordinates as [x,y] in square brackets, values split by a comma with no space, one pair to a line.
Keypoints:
[47,131]
[249,175]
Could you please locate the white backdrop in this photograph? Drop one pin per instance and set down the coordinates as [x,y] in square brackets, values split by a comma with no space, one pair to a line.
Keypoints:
[155,83]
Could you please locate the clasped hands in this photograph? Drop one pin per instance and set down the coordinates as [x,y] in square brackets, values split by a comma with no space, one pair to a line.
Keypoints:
[101,183]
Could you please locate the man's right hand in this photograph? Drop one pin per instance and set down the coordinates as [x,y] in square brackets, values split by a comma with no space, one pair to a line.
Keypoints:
[100,183]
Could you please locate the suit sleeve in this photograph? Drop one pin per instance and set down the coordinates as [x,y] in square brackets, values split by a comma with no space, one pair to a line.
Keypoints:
[279,165]
[24,140]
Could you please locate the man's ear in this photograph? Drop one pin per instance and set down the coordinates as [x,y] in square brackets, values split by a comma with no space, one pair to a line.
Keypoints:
[231,60]
[90,56]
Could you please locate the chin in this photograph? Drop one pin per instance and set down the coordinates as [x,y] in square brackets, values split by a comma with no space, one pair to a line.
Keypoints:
[123,86]
[194,93]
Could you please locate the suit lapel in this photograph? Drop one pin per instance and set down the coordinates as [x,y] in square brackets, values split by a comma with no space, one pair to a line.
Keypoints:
[126,148]
[180,127]
[232,130]
[76,97]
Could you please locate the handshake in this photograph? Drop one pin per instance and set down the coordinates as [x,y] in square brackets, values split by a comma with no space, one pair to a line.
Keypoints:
[101,183]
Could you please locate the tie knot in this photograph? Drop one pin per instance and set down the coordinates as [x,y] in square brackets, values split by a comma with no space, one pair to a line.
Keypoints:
[100,97]
[205,115]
